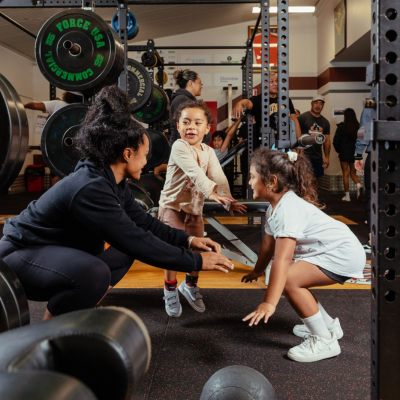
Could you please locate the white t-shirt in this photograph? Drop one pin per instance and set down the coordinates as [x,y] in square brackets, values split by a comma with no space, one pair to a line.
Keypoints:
[54,105]
[320,239]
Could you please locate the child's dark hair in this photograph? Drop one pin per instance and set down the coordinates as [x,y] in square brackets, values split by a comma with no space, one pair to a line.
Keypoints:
[108,128]
[193,104]
[220,134]
[182,77]
[297,176]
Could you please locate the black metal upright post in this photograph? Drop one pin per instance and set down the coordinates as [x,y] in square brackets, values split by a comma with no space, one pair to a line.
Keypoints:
[383,74]
[283,126]
[53,94]
[122,32]
[249,93]
[265,36]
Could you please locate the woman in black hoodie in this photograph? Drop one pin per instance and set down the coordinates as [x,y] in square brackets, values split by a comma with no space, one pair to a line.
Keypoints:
[56,246]
[345,145]
[190,86]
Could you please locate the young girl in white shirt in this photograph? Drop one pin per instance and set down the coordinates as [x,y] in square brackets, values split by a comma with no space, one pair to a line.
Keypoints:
[324,250]
[193,175]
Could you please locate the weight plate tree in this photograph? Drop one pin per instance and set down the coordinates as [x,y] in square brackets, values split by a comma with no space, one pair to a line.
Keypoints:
[140,85]
[78,51]
[57,144]
[14,134]
[155,108]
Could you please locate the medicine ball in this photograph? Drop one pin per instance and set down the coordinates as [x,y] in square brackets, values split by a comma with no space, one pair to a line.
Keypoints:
[240,383]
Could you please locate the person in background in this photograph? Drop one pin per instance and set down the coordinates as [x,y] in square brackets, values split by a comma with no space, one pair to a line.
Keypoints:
[311,120]
[52,106]
[362,146]
[253,105]
[344,143]
[297,112]
[190,86]
[221,139]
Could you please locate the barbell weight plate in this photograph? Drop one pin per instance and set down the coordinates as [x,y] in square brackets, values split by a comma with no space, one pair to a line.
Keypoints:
[14,308]
[14,134]
[153,184]
[149,60]
[155,109]
[140,84]
[57,144]
[159,148]
[133,27]
[78,51]
[165,77]
[141,196]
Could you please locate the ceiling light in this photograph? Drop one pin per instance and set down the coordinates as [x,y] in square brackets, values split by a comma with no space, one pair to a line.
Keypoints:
[274,10]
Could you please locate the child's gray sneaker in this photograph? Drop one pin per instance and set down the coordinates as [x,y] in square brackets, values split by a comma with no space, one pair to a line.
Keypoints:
[172,305]
[193,296]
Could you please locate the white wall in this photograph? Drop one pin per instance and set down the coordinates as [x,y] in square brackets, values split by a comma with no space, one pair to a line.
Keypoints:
[340,94]
[358,19]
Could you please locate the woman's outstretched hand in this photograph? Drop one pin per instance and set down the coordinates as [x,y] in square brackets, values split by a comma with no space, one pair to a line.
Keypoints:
[205,244]
[216,262]
[252,276]
[264,310]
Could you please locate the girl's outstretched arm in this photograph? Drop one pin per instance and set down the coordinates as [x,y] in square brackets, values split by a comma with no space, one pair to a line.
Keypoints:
[284,249]
[265,254]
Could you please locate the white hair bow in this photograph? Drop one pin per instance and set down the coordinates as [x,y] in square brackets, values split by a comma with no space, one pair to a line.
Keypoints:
[292,156]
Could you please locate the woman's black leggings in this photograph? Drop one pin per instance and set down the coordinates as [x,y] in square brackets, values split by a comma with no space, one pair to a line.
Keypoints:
[68,279]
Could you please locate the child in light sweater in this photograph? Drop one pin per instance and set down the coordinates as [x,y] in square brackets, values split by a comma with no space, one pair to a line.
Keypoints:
[193,175]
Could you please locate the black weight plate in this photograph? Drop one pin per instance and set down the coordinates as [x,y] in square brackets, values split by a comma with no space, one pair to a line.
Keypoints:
[99,62]
[153,184]
[155,108]
[57,143]
[14,134]
[159,148]
[141,196]
[140,84]
[14,309]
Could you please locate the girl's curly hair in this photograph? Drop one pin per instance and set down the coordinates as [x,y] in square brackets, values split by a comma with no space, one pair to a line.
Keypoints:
[193,104]
[109,128]
[297,176]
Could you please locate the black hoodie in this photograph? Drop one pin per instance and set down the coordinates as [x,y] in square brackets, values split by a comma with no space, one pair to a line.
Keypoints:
[87,208]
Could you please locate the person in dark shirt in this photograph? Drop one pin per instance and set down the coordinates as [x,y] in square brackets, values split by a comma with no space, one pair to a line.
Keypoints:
[344,143]
[56,245]
[313,120]
[253,104]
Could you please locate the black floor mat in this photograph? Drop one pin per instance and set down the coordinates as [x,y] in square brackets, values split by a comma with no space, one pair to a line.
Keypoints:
[188,350]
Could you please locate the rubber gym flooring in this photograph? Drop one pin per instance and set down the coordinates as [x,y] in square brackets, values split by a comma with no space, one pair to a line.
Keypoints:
[186,351]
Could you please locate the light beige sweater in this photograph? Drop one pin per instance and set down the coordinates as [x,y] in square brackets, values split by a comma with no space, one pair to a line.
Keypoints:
[192,175]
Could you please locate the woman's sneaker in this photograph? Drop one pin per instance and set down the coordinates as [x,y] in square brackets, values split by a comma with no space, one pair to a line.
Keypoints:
[172,305]
[315,348]
[193,296]
[367,247]
[334,327]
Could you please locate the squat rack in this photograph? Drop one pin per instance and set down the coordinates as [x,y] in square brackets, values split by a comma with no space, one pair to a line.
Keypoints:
[383,131]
